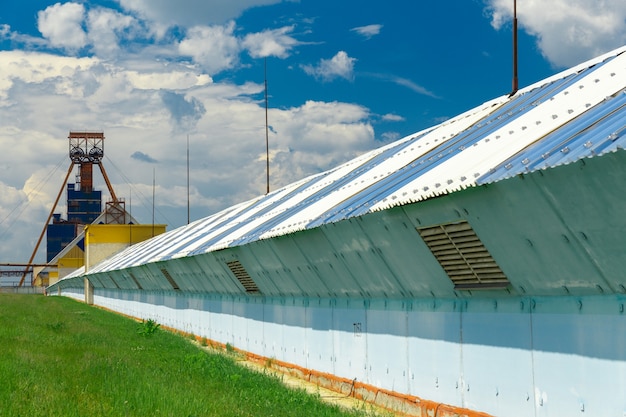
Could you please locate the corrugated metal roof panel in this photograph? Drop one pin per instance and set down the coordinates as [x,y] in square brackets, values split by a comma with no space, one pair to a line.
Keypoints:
[356,191]
[575,114]
[596,131]
[559,107]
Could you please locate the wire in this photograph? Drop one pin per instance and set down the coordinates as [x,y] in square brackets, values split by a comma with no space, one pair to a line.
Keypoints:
[35,190]
[145,201]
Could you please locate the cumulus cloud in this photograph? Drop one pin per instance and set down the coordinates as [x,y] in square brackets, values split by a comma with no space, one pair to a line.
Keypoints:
[167,77]
[214,47]
[318,136]
[275,42]
[149,96]
[44,96]
[185,111]
[105,28]
[61,24]
[368,31]
[32,68]
[166,13]
[217,48]
[339,66]
[568,31]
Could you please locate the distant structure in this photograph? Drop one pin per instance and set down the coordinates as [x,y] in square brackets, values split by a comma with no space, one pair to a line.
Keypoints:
[84,204]
[66,244]
[473,268]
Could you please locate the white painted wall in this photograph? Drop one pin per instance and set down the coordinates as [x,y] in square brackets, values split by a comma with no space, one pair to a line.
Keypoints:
[550,356]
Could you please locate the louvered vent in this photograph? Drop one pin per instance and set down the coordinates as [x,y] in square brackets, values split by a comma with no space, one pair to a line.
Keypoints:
[463,256]
[242,276]
[170,279]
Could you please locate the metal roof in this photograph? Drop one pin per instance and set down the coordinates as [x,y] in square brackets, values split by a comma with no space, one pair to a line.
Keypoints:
[576,114]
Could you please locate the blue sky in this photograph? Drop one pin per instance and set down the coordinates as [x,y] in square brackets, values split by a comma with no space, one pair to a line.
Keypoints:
[343,77]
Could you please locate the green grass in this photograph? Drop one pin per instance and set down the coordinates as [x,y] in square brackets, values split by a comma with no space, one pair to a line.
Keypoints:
[60,357]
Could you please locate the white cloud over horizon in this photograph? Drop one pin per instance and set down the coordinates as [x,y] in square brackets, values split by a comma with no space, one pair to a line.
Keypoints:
[54,94]
[567,32]
[153,71]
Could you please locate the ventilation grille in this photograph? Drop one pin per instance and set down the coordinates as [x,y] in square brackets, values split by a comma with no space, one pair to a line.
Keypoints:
[242,276]
[170,279]
[463,256]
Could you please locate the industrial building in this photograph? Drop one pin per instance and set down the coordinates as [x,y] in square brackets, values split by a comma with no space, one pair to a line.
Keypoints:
[88,234]
[473,268]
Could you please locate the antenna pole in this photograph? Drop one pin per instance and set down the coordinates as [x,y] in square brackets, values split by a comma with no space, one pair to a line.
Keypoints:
[187,179]
[153,187]
[515,82]
[267,143]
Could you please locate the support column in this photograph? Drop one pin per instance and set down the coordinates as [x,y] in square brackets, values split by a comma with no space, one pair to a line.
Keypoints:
[88,292]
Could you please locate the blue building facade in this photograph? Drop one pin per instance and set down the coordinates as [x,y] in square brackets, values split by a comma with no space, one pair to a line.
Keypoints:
[83,207]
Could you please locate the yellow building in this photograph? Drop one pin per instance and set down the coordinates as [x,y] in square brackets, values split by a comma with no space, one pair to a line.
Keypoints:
[96,242]
[104,240]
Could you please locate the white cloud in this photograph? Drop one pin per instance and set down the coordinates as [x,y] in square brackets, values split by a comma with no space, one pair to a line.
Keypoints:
[168,13]
[213,47]
[275,42]
[390,136]
[392,118]
[46,96]
[568,31]
[105,27]
[216,48]
[169,78]
[404,82]
[5,31]
[412,86]
[31,41]
[317,136]
[61,24]
[339,66]
[33,68]
[368,31]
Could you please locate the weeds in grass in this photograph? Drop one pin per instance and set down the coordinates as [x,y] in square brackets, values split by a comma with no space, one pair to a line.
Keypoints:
[230,348]
[56,327]
[148,327]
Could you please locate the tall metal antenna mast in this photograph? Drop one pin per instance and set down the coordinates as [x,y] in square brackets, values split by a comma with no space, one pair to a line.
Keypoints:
[267,143]
[187,179]
[153,188]
[515,82]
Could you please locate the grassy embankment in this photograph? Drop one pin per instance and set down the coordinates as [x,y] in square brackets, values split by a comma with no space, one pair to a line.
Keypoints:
[63,358]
